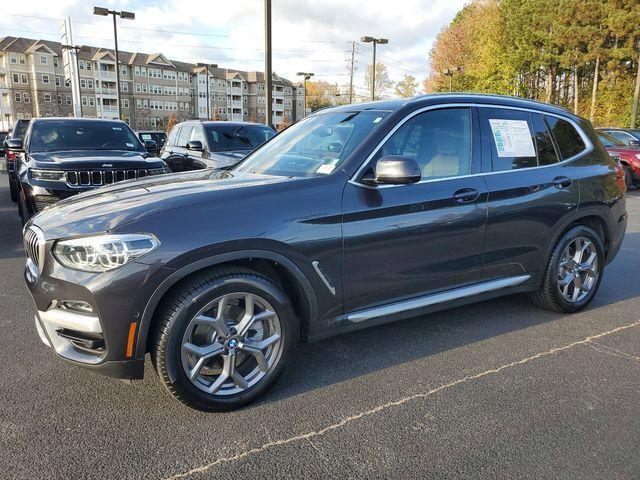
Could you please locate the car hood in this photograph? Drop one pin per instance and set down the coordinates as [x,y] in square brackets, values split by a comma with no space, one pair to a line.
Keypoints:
[106,208]
[230,157]
[70,159]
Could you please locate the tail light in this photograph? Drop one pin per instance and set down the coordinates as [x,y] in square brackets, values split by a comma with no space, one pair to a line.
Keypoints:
[11,155]
[620,177]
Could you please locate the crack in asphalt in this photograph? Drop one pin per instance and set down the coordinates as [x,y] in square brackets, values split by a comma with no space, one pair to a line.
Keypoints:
[607,350]
[396,403]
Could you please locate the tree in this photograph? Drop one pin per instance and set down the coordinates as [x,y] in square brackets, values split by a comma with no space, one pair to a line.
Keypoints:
[407,87]
[383,83]
[171,122]
[321,94]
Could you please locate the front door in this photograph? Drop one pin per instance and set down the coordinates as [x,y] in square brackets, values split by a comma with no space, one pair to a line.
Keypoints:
[402,241]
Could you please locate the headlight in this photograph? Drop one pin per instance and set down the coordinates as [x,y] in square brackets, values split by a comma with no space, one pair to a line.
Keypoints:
[103,252]
[54,175]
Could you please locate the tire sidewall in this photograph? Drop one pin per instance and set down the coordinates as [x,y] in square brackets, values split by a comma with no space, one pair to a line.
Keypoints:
[567,238]
[189,308]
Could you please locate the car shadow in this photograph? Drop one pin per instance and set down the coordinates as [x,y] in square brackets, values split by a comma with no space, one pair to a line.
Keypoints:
[354,354]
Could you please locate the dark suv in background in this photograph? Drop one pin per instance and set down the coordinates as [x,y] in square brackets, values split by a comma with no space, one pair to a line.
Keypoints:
[60,157]
[17,133]
[196,144]
[355,216]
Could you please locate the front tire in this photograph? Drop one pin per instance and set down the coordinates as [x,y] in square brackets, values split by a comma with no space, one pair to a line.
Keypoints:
[574,272]
[222,338]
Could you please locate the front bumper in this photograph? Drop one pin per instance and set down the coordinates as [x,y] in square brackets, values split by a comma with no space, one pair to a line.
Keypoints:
[104,338]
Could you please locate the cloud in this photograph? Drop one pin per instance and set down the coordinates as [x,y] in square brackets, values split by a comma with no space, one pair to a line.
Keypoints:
[307,35]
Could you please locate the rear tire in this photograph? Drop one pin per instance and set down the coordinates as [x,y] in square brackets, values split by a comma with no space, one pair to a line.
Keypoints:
[570,281]
[207,350]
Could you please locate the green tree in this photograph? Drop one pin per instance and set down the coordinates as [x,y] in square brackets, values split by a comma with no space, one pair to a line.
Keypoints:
[407,87]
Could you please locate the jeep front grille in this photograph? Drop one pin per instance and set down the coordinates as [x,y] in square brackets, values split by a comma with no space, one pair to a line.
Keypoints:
[95,178]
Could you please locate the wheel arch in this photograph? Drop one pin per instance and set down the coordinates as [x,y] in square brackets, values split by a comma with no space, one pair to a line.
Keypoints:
[271,264]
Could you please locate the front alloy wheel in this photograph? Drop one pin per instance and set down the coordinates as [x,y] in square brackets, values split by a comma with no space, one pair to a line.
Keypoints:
[231,344]
[221,339]
[578,270]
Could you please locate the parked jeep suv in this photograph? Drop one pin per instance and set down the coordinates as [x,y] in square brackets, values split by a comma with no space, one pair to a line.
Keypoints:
[60,157]
[355,216]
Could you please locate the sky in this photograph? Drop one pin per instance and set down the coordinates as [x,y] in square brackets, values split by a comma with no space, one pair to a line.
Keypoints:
[313,36]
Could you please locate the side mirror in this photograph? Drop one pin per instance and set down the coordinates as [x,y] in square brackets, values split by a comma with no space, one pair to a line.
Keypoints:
[195,145]
[394,170]
[634,143]
[151,145]
[15,144]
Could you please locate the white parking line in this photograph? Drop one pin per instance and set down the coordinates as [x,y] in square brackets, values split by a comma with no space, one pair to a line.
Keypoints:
[316,433]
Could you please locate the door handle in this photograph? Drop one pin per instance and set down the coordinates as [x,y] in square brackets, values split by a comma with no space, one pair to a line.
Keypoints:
[562,182]
[466,195]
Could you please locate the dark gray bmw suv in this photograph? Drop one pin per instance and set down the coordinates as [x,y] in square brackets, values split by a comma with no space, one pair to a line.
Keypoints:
[355,216]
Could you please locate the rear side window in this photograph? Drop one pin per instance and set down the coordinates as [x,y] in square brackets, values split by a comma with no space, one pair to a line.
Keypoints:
[544,145]
[569,141]
[173,136]
[509,134]
[183,138]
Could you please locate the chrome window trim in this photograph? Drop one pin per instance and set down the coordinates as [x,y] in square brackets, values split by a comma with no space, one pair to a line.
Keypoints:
[365,164]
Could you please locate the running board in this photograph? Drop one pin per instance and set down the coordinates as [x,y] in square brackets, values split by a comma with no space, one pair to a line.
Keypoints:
[433,299]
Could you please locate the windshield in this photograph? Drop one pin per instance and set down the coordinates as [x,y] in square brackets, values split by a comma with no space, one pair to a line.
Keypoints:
[609,141]
[158,137]
[314,146]
[233,137]
[20,128]
[58,135]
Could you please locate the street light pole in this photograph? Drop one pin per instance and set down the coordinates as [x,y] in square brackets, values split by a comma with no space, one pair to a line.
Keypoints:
[104,12]
[307,76]
[375,41]
[267,63]
[76,49]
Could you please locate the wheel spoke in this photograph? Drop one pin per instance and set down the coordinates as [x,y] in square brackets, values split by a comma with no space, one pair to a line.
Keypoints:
[217,324]
[206,351]
[215,386]
[253,346]
[577,287]
[588,265]
[229,369]
[566,280]
[195,371]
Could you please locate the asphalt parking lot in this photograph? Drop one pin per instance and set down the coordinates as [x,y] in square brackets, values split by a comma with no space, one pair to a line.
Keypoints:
[499,389]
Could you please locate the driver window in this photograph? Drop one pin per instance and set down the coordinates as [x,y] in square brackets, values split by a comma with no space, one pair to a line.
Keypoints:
[438,140]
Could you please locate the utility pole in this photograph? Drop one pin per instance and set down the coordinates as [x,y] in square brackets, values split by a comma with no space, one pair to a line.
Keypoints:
[307,76]
[351,70]
[375,41]
[268,75]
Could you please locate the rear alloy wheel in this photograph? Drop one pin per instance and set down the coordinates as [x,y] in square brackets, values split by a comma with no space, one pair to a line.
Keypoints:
[574,272]
[223,338]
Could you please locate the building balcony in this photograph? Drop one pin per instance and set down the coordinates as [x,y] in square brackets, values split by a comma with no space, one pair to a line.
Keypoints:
[236,103]
[235,90]
[106,73]
[106,91]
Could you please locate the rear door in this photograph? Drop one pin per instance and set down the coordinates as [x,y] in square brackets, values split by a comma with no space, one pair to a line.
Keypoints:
[531,188]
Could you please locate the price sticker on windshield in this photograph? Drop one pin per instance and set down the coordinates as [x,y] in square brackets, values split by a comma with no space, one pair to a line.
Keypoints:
[327,168]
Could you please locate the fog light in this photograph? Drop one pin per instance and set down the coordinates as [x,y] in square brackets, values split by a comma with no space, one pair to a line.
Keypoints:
[75,306]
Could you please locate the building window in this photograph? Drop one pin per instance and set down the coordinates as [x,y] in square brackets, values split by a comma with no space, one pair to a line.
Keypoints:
[56,62]
[24,78]
[137,87]
[125,103]
[136,71]
[81,64]
[17,97]
[90,84]
[124,86]
[13,58]
[47,97]
[68,100]
[15,77]
[84,101]
[58,81]
[45,79]
[88,64]
[22,60]
[138,103]
[92,102]
[123,70]
[43,60]
[59,99]
[83,83]
[26,98]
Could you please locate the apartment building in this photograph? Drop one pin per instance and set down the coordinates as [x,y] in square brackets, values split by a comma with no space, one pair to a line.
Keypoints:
[153,88]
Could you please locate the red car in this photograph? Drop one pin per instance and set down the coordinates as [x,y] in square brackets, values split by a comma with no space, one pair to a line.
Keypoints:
[628,157]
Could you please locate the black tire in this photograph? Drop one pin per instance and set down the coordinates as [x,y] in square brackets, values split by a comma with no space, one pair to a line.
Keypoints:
[549,295]
[13,190]
[628,177]
[23,209]
[182,305]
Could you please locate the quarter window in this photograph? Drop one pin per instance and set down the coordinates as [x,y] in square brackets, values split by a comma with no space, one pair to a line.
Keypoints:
[438,140]
[569,141]
[197,135]
[184,136]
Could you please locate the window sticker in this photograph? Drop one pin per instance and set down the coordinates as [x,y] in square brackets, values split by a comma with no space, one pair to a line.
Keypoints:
[327,168]
[512,138]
